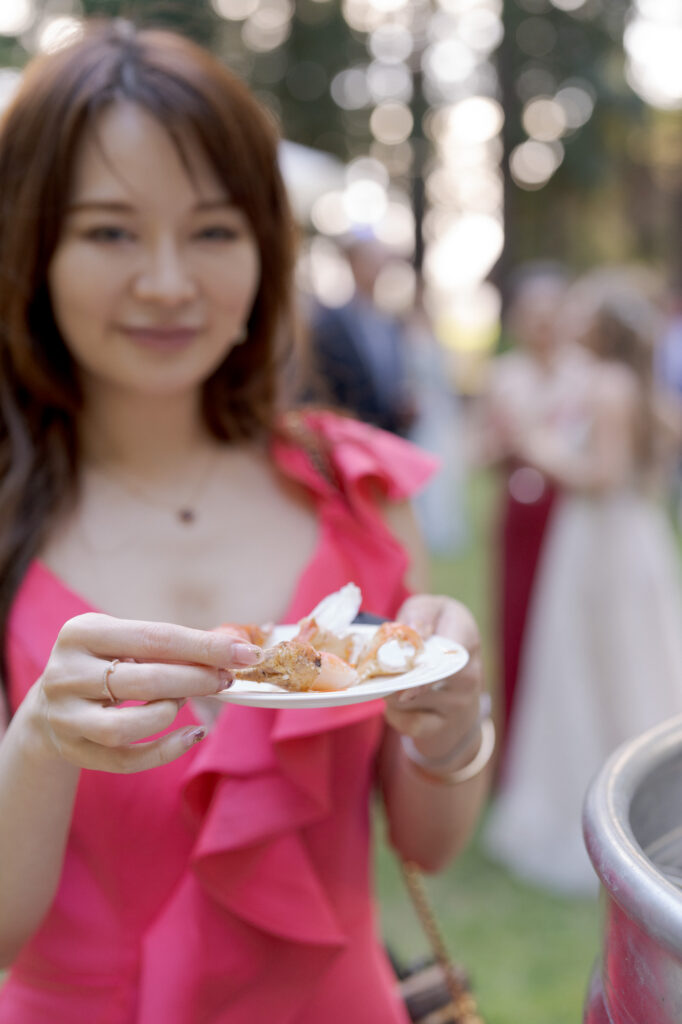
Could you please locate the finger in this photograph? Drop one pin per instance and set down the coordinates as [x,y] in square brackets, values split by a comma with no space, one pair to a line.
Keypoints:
[431,613]
[109,637]
[151,681]
[136,757]
[421,613]
[415,723]
[454,620]
[118,727]
[443,693]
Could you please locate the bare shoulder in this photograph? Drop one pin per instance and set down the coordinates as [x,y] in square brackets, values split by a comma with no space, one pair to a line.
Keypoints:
[616,388]
[505,368]
[402,522]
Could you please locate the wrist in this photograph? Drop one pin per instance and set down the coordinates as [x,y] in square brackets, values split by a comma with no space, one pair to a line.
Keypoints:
[467,758]
[36,737]
[445,748]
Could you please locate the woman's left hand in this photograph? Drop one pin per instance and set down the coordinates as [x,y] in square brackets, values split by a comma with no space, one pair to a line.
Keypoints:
[439,715]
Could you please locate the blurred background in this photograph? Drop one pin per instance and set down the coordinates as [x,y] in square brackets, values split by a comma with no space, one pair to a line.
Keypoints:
[467,138]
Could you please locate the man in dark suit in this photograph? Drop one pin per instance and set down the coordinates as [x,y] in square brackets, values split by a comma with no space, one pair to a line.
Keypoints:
[358,352]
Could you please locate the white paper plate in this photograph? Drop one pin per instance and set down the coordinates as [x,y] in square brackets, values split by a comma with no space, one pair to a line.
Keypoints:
[440,658]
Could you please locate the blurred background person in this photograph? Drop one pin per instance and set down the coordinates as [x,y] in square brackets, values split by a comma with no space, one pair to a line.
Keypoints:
[358,354]
[602,659]
[536,383]
[438,428]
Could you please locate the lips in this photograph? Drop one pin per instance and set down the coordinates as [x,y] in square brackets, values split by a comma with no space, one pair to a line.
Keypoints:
[167,338]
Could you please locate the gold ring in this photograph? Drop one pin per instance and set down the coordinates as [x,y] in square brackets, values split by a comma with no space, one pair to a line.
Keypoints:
[105,682]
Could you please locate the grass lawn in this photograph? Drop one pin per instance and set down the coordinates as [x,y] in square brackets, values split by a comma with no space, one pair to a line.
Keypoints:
[529,953]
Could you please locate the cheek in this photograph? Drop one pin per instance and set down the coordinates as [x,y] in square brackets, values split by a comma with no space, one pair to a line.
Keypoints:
[236,285]
[78,288]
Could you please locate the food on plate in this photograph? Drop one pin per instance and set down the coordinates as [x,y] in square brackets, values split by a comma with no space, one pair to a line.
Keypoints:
[249,632]
[297,666]
[326,653]
[326,628]
[394,648]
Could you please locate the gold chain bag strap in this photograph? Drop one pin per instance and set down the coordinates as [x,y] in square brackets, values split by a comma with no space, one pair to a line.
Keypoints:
[437,992]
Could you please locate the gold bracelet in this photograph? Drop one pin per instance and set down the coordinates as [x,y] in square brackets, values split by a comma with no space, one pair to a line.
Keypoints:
[468,771]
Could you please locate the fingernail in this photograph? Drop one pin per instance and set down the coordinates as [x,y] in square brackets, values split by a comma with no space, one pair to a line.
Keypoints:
[225,679]
[246,654]
[193,736]
[406,697]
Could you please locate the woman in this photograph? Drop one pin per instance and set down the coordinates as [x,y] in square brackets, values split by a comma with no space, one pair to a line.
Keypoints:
[603,654]
[151,490]
[537,383]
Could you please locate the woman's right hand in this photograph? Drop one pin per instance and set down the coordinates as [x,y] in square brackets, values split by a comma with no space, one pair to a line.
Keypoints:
[158,665]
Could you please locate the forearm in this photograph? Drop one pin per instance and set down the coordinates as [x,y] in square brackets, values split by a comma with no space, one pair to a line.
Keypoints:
[429,819]
[583,472]
[37,793]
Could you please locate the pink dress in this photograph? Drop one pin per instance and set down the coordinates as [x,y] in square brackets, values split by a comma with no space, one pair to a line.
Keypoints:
[232,886]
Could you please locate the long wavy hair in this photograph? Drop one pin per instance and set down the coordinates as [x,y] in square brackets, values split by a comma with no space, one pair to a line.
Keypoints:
[617,315]
[198,101]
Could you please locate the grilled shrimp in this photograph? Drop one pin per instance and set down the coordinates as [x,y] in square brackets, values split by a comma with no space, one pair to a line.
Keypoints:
[249,632]
[327,624]
[297,666]
[393,648]
[324,640]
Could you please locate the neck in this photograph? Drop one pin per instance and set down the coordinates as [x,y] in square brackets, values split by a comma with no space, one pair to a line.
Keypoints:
[146,436]
[544,358]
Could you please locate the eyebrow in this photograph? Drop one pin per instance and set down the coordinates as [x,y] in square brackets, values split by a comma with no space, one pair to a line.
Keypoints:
[118,206]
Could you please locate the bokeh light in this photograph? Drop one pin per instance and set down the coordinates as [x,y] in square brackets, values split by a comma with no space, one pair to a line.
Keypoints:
[533,163]
[577,101]
[9,83]
[653,43]
[16,16]
[544,119]
[55,33]
[391,123]
[235,10]
[464,249]
[323,272]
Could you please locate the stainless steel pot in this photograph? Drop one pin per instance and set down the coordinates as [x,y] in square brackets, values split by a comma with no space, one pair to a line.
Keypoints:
[633,832]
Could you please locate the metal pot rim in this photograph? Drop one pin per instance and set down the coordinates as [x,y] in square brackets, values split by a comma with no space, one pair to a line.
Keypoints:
[626,873]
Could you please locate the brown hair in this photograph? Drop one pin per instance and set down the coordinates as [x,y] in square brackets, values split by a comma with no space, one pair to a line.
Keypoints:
[617,316]
[195,98]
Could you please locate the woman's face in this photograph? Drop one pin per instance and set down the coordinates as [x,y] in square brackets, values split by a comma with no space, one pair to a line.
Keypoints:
[155,271]
[534,317]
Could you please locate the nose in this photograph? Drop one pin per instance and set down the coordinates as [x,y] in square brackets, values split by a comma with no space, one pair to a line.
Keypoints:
[164,276]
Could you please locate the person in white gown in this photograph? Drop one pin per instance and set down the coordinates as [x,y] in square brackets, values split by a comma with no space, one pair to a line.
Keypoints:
[602,660]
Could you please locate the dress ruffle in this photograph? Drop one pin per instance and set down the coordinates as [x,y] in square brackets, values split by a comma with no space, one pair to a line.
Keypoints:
[359,454]
[255,792]
[355,542]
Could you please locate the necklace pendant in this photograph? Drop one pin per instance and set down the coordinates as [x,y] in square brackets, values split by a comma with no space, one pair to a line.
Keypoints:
[186,515]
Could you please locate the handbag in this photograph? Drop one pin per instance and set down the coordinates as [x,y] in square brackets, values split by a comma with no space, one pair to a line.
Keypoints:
[435,990]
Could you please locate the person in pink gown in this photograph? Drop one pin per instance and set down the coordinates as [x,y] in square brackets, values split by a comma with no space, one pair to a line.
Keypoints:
[165,856]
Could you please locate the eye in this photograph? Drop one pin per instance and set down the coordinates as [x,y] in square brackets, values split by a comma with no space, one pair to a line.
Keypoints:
[218,233]
[108,233]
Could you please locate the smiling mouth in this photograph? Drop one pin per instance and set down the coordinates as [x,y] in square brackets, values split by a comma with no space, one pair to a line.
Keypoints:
[161,337]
